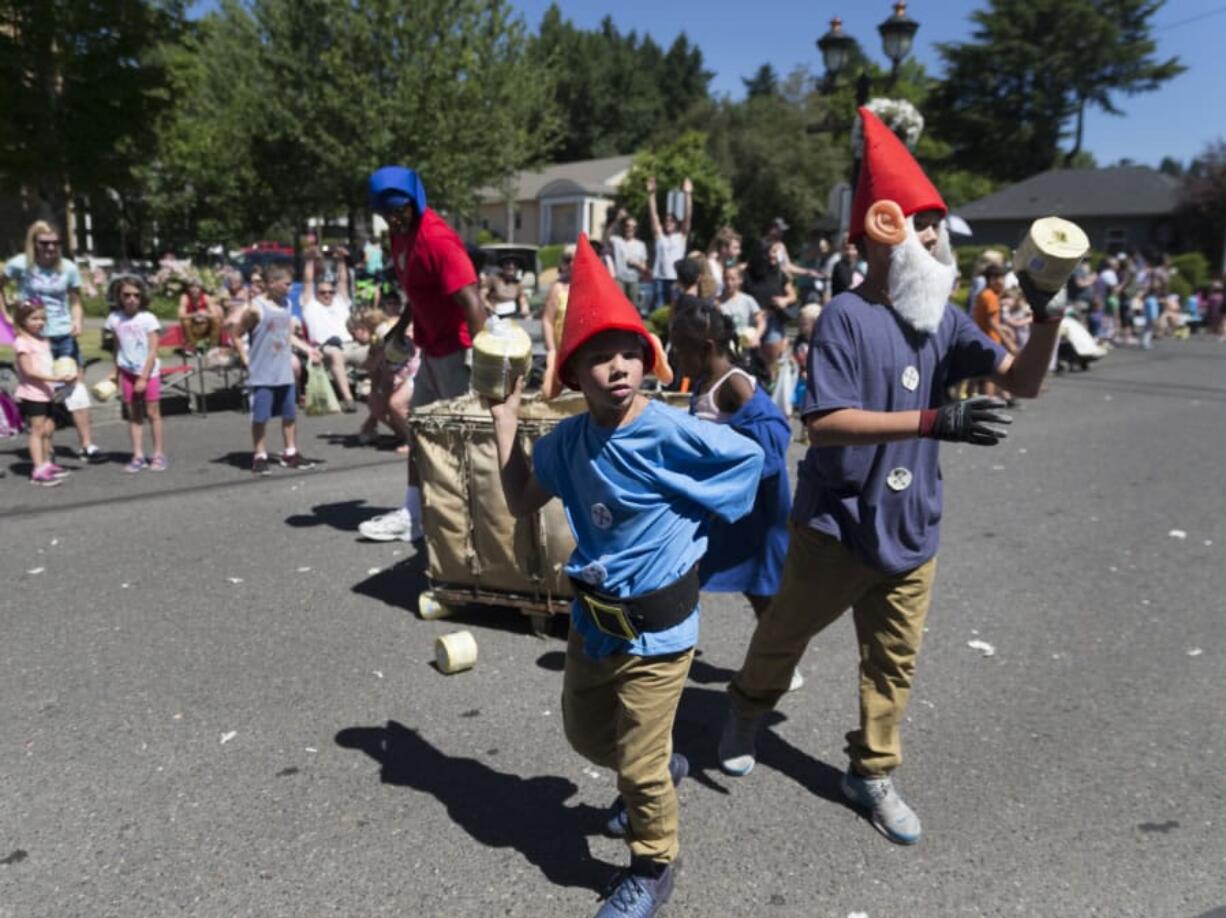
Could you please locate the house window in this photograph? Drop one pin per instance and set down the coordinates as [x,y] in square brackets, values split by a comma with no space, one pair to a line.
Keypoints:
[519,219]
[1117,239]
[485,224]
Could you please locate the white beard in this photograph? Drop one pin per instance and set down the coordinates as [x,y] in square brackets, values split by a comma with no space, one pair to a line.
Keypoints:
[920,283]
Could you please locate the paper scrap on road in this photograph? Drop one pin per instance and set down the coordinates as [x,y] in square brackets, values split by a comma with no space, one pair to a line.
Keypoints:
[1177,534]
[591,772]
[987,649]
[998,468]
[36,570]
[124,586]
[235,580]
[1208,542]
[301,570]
[378,673]
[55,542]
[857,915]
[1195,652]
[372,571]
[226,737]
[311,749]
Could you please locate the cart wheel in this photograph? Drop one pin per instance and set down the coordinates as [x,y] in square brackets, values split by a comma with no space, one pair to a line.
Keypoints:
[429,608]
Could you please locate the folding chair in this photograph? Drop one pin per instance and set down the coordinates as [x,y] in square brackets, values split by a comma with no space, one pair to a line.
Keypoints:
[179,377]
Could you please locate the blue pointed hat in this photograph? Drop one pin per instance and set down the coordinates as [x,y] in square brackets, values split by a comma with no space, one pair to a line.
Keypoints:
[392,187]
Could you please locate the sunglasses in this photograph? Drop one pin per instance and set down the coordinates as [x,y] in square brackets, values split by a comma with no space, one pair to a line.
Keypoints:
[49,243]
[326,291]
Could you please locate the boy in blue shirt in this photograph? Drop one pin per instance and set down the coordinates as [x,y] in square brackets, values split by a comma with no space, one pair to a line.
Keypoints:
[638,481]
[866,517]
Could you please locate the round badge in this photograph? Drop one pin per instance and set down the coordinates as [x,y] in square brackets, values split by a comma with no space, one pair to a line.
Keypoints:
[602,518]
[910,379]
[899,479]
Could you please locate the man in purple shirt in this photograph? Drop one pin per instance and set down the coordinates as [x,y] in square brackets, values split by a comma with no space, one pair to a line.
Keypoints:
[865,521]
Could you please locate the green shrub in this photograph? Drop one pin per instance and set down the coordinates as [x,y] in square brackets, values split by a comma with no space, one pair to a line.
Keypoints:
[550,256]
[1192,268]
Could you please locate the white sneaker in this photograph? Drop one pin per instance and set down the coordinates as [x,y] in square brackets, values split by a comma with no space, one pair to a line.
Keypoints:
[798,681]
[391,526]
[737,744]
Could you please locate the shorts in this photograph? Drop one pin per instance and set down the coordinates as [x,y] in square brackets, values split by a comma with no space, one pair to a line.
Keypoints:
[273,402]
[127,386]
[441,378]
[355,354]
[31,409]
[776,328]
[65,346]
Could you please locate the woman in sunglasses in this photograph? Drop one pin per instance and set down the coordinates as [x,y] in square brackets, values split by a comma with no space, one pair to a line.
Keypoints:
[43,273]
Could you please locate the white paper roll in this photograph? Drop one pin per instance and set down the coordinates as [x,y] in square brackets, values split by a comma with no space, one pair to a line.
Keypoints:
[455,652]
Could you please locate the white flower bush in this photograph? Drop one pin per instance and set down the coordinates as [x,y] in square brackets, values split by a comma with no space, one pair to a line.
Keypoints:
[899,115]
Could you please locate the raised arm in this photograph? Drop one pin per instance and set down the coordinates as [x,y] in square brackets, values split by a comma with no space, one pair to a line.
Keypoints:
[308,274]
[687,188]
[656,229]
[342,270]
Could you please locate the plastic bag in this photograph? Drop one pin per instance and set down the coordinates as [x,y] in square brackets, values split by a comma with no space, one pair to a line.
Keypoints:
[320,399]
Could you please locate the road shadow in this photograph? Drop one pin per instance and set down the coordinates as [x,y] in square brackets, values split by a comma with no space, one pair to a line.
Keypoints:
[402,584]
[344,515]
[497,809]
[384,443]
[241,459]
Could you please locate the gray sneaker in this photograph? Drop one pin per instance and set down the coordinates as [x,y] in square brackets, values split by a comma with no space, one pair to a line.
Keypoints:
[737,744]
[889,813]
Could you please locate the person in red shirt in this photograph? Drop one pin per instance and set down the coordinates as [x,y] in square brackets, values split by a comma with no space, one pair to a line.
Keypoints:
[440,283]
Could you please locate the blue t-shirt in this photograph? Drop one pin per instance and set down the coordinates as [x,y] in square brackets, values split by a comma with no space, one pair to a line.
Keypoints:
[637,498]
[52,286]
[883,501]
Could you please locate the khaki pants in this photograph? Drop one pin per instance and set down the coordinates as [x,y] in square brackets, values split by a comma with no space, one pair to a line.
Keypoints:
[618,713]
[821,579]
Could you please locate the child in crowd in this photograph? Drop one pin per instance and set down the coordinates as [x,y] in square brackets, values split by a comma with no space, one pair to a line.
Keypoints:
[391,370]
[745,556]
[1017,316]
[137,332]
[638,481]
[35,390]
[270,324]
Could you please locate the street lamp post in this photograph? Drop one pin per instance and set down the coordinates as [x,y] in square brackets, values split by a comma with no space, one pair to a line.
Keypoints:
[897,36]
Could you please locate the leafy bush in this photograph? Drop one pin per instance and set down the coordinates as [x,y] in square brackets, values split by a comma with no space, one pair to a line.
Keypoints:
[550,256]
[1192,268]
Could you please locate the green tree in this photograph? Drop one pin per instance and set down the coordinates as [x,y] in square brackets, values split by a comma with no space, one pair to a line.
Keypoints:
[1031,69]
[615,91]
[1203,206]
[283,107]
[80,83]
[764,82]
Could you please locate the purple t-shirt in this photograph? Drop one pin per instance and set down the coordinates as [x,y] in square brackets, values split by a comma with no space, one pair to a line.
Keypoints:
[883,502]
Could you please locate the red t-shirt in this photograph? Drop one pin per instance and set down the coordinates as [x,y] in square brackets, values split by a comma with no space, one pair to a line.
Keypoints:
[431,268]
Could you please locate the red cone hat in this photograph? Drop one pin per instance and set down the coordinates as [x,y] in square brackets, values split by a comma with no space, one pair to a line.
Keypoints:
[888,172]
[596,304]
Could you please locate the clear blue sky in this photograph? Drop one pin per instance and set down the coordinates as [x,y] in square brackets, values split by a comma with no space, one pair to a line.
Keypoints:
[1178,120]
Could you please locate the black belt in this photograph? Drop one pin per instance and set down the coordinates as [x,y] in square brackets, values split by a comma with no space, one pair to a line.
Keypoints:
[658,610]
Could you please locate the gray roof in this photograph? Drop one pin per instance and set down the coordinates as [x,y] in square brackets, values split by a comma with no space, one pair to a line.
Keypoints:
[1118,191]
[590,176]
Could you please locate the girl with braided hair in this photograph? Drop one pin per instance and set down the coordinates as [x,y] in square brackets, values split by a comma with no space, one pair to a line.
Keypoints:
[745,556]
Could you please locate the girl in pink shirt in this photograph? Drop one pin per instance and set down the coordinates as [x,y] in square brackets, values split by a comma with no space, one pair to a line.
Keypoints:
[34,390]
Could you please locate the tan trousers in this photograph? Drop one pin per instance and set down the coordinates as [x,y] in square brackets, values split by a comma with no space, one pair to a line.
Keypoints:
[821,579]
[618,712]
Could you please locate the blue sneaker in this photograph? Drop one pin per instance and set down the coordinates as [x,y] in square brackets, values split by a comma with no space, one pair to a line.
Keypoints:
[619,818]
[887,810]
[639,892]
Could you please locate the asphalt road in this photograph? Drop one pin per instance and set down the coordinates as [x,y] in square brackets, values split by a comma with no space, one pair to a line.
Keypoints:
[214,701]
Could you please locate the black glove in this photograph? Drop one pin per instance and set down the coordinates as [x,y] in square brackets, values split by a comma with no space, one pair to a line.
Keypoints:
[966,421]
[1045,306]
